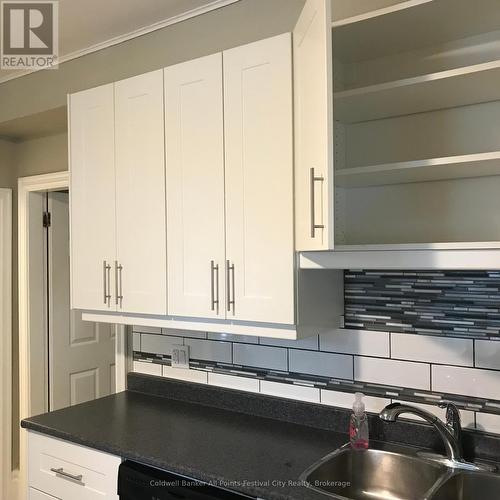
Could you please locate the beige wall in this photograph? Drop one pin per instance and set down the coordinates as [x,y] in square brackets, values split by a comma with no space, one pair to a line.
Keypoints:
[6,163]
[236,24]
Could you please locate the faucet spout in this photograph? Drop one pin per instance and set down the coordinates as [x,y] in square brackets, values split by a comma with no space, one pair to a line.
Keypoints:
[450,433]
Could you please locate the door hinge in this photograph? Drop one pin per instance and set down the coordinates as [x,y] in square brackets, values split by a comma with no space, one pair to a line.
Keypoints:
[46,219]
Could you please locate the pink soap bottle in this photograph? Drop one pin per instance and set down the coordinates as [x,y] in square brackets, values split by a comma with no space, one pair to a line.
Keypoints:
[358,424]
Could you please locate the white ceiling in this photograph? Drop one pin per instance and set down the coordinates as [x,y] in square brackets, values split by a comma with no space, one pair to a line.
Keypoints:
[92,24]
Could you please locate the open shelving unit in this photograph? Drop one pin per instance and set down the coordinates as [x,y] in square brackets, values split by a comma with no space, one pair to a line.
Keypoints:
[416,108]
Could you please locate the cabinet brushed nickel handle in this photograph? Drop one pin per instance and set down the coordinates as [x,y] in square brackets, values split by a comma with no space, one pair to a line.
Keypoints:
[214,285]
[61,472]
[106,269]
[312,180]
[229,285]
[118,283]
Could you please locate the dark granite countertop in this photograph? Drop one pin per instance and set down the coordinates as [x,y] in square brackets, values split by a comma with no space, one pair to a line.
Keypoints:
[206,443]
[258,444]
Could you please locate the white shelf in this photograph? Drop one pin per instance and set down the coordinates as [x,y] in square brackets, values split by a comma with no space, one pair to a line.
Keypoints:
[452,256]
[445,89]
[407,247]
[432,169]
[410,25]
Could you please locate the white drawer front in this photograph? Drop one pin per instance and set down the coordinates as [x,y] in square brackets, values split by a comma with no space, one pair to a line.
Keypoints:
[69,471]
[38,495]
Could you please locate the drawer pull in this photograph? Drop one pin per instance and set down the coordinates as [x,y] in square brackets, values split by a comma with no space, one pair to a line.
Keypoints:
[74,477]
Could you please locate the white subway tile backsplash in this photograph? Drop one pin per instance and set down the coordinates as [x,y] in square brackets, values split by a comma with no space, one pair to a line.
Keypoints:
[321,363]
[290,391]
[136,342]
[467,381]
[306,343]
[209,350]
[437,363]
[447,351]
[233,382]
[272,358]
[159,344]
[488,423]
[146,368]
[467,418]
[245,339]
[488,354]
[362,342]
[184,333]
[187,375]
[346,400]
[392,372]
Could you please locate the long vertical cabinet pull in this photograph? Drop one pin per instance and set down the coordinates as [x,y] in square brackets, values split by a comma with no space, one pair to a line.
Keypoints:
[118,284]
[230,287]
[214,286]
[106,269]
[312,181]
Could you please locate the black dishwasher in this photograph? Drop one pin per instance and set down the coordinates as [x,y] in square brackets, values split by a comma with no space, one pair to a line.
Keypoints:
[140,482]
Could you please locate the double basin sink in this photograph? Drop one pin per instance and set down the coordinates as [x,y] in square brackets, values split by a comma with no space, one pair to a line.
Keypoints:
[397,473]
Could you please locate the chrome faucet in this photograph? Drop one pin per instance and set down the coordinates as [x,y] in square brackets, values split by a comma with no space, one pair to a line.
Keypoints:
[451,432]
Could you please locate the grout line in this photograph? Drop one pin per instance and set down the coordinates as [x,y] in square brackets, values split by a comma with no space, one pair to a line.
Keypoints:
[474,353]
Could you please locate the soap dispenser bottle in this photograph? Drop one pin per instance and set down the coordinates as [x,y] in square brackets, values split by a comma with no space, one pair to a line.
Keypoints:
[358,425]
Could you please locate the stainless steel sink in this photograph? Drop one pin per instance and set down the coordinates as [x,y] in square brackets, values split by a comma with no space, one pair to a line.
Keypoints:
[381,472]
[469,486]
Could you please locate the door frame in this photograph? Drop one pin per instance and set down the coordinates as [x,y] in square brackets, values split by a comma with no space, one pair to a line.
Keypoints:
[7,478]
[26,185]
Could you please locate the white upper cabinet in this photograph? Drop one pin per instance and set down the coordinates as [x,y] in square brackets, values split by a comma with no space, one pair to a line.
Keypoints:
[118,247]
[140,196]
[93,245]
[183,190]
[259,181]
[313,96]
[195,188]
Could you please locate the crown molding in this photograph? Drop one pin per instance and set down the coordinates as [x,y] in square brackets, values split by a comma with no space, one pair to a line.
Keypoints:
[214,5]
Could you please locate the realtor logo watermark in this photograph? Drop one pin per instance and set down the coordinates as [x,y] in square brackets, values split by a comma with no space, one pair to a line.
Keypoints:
[30,37]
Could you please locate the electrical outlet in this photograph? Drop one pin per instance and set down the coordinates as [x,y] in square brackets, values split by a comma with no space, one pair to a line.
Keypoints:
[180,356]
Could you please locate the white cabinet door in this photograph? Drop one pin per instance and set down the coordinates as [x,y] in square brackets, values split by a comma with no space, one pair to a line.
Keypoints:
[259,180]
[195,187]
[140,268]
[52,462]
[92,193]
[313,97]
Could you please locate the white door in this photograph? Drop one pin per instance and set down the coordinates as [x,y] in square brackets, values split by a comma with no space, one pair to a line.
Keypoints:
[195,187]
[140,269]
[259,180]
[313,108]
[92,169]
[81,354]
